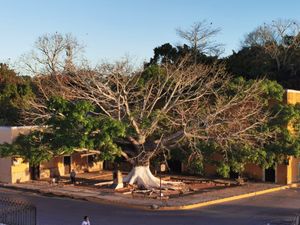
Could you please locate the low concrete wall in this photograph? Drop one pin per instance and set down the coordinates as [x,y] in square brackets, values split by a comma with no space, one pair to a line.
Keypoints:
[5,170]
[282,174]
[5,135]
[9,134]
[253,171]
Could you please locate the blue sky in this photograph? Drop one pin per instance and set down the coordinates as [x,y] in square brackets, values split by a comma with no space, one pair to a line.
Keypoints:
[111,29]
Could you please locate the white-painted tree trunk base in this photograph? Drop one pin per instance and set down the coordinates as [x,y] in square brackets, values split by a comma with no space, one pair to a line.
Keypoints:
[143,178]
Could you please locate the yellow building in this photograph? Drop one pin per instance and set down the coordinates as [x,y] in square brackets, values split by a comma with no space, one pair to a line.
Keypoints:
[282,173]
[286,173]
[15,169]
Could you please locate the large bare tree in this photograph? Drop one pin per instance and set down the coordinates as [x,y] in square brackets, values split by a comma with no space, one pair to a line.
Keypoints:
[52,54]
[200,36]
[165,107]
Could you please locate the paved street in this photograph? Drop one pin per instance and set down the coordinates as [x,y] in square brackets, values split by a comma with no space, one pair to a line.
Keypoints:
[276,208]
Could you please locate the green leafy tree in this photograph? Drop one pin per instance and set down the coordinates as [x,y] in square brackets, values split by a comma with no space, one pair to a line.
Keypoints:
[163,107]
[32,148]
[14,93]
[70,127]
[284,124]
[167,53]
[271,50]
[251,63]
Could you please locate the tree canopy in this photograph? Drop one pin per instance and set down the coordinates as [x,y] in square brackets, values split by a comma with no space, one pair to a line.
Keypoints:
[158,108]
[70,127]
[168,53]
[272,51]
[14,93]
[183,100]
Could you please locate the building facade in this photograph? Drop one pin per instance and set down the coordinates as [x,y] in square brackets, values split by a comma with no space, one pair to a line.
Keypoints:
[15,169]
[286,173]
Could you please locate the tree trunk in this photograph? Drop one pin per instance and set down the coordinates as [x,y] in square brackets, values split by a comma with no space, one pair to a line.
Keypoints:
[141,174]
[143,178]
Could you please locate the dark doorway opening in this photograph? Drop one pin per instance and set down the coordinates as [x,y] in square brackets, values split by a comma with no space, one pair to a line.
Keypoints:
[67,164]
[91,160]
[233,175]
[34,172]
[175,166]
[270,174]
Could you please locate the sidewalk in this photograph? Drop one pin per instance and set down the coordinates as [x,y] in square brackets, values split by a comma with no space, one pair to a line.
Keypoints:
[178,203]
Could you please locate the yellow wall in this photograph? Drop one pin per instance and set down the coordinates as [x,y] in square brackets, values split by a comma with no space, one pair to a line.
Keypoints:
[292,96]
[60,164]
[95,166]
[293,170]
[13,169]
[79,162]
[52,168]
[19,171]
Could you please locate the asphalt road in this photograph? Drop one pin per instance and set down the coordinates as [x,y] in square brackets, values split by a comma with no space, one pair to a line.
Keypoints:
[277,208]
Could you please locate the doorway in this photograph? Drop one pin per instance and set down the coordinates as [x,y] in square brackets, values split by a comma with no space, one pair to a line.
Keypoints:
[91,160]
[34,172]
[270,175]
[67,164]
[233,175]
[174,166]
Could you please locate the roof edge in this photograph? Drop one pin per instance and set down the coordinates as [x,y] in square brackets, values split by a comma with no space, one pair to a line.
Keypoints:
[292,90]
[16,127]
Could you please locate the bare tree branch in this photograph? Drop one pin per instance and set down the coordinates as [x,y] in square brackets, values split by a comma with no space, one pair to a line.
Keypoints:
[181,105]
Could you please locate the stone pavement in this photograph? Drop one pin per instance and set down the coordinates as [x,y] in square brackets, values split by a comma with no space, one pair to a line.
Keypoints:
[128,200]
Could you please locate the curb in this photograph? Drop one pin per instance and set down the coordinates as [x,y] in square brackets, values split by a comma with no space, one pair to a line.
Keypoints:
[158,206]
[223,200]
[294,185]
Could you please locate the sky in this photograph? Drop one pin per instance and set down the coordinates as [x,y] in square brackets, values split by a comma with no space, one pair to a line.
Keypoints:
[111,29]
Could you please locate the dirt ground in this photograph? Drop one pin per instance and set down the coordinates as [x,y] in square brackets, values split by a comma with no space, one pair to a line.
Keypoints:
[102,182]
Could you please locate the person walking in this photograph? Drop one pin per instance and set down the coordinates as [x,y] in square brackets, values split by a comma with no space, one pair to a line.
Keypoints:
[86,221]
[73,177]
